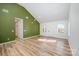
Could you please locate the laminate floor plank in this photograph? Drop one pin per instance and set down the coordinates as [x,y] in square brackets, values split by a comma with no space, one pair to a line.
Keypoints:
[36,46]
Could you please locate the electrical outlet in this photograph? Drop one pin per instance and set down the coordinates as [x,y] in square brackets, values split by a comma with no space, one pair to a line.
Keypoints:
[74,51]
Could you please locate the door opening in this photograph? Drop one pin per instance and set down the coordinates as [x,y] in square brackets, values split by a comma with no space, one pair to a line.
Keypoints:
[19,28]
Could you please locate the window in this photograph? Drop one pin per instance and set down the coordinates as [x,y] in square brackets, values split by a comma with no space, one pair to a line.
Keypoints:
[60,28]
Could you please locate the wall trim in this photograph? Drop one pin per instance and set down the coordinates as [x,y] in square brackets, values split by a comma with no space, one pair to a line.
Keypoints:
[44,36]
[54,37]
[7,42]
[31,37]
[71,48]
[18,38]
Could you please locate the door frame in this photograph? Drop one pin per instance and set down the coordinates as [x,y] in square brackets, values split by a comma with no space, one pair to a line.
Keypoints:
[16,20]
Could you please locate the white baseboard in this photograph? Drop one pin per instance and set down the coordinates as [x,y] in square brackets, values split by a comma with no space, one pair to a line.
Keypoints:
[18,38]
[71,48]
[7,42]
[54,37]
[31,37]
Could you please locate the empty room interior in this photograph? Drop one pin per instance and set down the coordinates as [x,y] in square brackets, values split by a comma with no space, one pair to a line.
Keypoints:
[39,29]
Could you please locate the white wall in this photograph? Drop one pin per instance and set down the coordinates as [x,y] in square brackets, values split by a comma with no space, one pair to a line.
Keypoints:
[74,28]
[51,29]
[45,12]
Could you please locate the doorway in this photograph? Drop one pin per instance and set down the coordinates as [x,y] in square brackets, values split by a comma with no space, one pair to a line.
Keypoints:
[19,28]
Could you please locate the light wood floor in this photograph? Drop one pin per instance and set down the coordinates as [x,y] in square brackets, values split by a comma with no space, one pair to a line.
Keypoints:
[37,46]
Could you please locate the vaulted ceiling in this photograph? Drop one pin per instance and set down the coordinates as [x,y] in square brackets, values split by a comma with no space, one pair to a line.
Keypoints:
[47,12]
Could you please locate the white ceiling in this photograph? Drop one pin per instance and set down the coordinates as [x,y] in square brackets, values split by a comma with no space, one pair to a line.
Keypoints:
[46,12]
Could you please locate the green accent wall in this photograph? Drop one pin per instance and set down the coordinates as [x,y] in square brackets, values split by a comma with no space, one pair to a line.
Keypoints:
[31,27]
